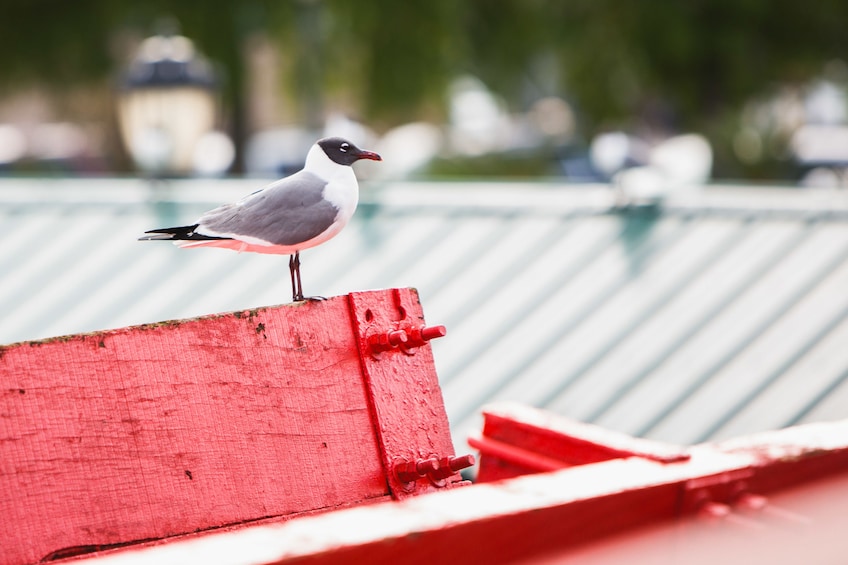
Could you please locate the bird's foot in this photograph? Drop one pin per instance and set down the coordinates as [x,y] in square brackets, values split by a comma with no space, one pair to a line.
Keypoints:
[309,298]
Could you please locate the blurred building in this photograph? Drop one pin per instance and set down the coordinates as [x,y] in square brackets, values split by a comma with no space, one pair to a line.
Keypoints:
[706,315]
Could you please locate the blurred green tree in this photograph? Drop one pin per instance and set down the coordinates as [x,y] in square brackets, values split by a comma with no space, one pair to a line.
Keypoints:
[687,65]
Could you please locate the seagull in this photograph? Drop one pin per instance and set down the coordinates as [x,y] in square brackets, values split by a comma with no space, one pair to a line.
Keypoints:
[287,216]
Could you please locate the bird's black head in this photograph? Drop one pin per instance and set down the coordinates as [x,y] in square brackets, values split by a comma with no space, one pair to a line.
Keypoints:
[344,152]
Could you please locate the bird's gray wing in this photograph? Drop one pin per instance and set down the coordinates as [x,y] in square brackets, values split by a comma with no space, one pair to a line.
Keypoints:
[287,212]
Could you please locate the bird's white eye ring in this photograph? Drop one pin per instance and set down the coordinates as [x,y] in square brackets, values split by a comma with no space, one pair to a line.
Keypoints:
[344,147]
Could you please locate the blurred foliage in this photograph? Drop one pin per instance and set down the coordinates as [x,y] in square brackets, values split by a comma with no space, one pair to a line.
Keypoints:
[668,64]
[507,165]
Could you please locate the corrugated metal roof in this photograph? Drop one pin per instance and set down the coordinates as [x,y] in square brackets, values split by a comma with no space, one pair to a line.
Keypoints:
[720,313]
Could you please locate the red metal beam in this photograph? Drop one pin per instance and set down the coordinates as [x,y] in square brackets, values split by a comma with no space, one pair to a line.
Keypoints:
[518,439]
[704,509]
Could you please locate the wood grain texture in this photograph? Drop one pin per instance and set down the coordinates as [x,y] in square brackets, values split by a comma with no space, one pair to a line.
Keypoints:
[407,402]
[153,431]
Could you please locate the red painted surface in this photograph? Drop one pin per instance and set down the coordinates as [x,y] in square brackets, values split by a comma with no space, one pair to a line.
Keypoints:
[248,419]
[772,498]
[149,432]
[409,414]
[517,440]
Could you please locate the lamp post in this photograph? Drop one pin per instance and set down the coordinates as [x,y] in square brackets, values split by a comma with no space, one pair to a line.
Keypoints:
[167,103]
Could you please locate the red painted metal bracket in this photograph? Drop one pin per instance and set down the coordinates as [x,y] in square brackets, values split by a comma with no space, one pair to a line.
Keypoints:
[406,401]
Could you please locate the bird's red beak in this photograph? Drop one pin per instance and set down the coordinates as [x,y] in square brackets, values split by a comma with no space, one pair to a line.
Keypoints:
[369,155]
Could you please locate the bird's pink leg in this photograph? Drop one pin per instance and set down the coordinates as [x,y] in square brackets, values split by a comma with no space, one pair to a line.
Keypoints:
[294,269]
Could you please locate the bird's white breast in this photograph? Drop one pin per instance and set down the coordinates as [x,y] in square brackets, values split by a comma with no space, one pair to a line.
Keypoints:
[342,190]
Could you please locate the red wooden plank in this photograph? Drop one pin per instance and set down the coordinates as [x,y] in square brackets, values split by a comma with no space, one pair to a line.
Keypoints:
[404,390]
[153,431]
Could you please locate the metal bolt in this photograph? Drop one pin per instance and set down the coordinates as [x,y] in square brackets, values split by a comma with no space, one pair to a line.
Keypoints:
[432,332]
[420,336]
[386,341]
[450,465]
[410,471]
[749,501]
[396,337]
[714,510]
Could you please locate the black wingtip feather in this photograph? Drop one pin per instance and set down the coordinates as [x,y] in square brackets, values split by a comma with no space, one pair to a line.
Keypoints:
[181,233]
